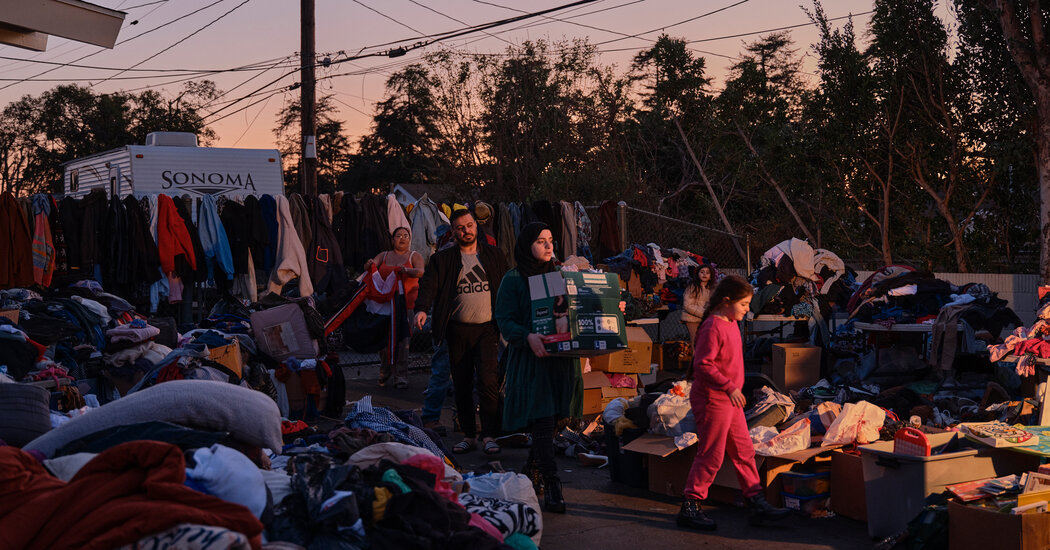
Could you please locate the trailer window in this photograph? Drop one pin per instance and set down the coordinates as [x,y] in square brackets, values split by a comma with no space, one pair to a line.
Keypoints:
[74,180]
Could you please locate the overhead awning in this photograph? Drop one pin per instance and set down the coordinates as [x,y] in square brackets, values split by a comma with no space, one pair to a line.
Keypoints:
[28,23]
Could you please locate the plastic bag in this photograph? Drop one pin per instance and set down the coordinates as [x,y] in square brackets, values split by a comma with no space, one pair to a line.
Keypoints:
[858,422]
[770,443]
[510,487]
[671,415]
[614,410]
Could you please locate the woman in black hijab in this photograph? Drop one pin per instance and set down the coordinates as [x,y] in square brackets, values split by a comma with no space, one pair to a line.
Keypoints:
[540,389]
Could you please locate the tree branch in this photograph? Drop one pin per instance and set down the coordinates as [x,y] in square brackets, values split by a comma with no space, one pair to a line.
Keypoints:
[769,177]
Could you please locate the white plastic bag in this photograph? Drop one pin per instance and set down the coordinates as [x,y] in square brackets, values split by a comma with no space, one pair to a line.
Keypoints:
[858,422]
[510,487]
[770,443]
[614,410]
[671,415]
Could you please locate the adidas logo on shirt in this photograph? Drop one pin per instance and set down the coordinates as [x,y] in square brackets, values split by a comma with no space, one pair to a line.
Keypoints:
[474,281]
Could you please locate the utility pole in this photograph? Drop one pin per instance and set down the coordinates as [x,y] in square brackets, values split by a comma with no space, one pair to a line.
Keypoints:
[308,167]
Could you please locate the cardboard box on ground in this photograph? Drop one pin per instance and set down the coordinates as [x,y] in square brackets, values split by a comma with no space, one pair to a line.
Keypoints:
[668,469]
[578,313]
[794,366]
[847,486]
[976,528]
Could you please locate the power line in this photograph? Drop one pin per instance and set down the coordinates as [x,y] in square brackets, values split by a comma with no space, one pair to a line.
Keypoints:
[100,50]
[682,22]
[445,15]
[367,7]
[187,37]
[553,18]
[144,5]
[789,27]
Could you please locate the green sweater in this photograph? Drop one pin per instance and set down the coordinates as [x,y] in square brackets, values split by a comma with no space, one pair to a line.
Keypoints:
[535,388]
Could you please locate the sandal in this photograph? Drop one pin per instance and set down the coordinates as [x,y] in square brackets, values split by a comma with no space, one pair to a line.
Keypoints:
[464,447]
[491,448]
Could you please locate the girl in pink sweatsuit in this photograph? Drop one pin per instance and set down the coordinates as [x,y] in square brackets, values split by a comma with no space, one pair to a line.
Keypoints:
[718,407]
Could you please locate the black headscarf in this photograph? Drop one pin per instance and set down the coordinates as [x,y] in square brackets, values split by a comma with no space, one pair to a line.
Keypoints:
[528,265]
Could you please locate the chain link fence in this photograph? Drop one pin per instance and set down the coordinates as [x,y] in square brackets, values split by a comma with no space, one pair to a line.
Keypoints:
[637,226]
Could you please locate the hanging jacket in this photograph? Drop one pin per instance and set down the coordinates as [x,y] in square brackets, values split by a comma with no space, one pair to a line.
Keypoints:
[347,227]
[197,272]
[234,220]
[43,245]
[114,255]
[16,249]
[374,231]
[567,219]
[258,232]
[214,241]
[144,261]
[609,242]
[583,233]
[269,218]
[426,218]
[290,259]
[395,215]
[507,236]
[301,219]
[324,258]
[173,239]
[92,218]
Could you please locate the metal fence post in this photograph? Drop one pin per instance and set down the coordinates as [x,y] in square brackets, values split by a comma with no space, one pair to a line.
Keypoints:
[621,213]
[748,253]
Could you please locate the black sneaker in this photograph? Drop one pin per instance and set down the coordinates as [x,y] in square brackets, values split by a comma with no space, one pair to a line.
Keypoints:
[552,498]
[762,510]
[693,517]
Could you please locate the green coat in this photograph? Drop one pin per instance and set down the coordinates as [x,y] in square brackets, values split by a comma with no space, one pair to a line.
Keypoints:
[535,388]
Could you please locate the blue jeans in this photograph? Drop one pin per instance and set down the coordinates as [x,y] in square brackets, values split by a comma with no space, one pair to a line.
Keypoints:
[437,387]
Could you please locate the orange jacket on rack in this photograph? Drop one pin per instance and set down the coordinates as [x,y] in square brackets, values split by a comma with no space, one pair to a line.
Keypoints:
[172,236]
[16,245]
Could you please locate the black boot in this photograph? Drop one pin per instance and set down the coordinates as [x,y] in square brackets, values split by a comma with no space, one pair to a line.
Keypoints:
[532,471]
[692,516]
[762,510]
[552,497]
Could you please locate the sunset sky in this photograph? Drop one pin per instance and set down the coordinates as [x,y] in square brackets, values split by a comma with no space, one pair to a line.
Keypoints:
[263,35]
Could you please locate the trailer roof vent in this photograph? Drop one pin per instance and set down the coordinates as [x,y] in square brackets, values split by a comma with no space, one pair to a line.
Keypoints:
[171,139]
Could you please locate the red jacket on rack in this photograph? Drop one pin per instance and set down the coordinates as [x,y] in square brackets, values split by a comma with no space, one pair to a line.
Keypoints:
[16,247]
[172,236]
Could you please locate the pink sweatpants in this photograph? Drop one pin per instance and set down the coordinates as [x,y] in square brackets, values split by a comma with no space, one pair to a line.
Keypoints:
[721,429]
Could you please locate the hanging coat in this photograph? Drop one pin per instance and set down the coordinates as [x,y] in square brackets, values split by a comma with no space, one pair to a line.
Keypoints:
[258,232]
[347,227]
[567,217]
[16,249]
[43,244]
[269,218]
[290,258]
[395,215]
[426,218]
[301,219]
[92,218]
[234,220]
[609,242]
[324,257]
[114,255]
[507,236]
[583,233]
[173,239]
[197,272]
[374,231]
[144,259]
[214,241]
[70,222]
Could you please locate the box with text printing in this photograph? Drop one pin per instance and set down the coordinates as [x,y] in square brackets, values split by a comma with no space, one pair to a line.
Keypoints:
[577,313]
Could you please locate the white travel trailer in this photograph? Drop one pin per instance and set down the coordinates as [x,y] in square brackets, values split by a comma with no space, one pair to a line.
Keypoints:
[172,164]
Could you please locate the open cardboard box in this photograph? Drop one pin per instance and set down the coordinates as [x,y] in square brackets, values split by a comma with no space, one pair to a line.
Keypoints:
[975,528]
[598,391]
[669,468]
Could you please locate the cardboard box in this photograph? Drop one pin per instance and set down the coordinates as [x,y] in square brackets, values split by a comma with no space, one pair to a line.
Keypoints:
[228,356]
[794,366]
[975,528]
[578,313]
[669,467]
[635,359]
[11,314]
[598,392]
[847,486]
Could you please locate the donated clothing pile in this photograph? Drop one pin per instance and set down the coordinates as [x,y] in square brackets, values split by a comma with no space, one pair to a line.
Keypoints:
[794,279]
[200,447]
